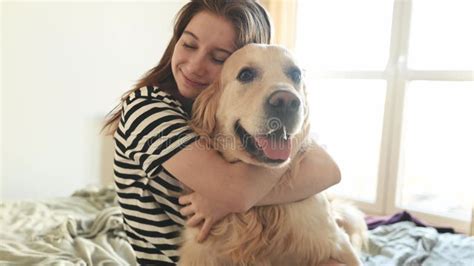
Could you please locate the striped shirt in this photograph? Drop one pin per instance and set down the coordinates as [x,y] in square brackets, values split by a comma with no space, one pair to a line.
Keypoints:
[153,127]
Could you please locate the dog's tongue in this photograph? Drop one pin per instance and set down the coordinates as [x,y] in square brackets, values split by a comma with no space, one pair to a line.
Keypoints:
[275,149]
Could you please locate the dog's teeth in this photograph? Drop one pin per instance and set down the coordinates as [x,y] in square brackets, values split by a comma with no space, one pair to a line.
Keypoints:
[285,136]
[271,131]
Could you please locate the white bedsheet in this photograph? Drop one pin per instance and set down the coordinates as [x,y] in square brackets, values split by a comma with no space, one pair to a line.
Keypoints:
[405,244]
[85,229]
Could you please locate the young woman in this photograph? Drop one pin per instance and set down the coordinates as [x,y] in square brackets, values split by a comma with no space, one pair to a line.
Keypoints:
[156,151]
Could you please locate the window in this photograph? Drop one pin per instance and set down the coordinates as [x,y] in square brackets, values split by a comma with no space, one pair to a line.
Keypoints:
[392,98]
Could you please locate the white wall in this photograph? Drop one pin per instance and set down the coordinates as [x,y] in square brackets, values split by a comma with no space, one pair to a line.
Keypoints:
[1,101]
[64,66]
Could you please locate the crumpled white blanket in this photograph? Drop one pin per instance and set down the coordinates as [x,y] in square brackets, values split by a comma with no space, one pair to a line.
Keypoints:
[84,229]
[405,244]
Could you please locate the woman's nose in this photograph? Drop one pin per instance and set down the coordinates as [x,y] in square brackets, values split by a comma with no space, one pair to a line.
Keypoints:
[197,65]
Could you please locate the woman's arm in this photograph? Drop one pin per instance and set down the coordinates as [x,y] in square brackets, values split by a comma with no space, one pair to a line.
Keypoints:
[235,186]
[239,186]
[317,171]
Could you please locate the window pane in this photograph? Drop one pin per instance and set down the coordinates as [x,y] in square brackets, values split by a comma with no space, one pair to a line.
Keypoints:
[441,35]
[346,117]
[343,34]
[436,167]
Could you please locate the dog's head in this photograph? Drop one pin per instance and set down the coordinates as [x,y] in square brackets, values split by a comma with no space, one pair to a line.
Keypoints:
[256,111]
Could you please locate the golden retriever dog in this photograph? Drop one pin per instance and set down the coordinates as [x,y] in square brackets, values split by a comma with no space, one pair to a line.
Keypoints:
[256,112]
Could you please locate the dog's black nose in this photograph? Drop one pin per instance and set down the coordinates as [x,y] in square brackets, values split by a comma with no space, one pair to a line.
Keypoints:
[283,103]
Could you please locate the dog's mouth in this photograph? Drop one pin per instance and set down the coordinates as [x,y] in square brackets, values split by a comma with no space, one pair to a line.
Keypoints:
[272,148]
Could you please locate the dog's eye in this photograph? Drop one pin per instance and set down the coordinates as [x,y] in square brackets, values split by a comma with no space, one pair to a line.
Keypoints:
[247,75]
[295,75]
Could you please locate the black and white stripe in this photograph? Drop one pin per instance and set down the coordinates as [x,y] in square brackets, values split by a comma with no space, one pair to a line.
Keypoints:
[153,127]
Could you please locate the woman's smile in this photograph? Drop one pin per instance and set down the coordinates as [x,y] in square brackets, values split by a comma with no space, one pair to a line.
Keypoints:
[193,83]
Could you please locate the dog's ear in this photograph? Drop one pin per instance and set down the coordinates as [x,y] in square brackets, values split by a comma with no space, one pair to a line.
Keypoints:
[204,110]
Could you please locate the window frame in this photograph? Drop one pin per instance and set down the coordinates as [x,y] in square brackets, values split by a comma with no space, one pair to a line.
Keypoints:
[397,75]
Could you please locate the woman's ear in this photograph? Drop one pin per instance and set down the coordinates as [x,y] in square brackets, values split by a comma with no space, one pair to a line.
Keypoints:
[203,119]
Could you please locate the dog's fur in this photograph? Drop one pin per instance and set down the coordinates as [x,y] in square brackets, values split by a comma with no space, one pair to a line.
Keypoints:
[299,233]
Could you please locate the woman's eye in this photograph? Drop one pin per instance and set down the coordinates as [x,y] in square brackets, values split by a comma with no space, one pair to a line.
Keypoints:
[247,75]
[189,46]
[218,61]
[295,75]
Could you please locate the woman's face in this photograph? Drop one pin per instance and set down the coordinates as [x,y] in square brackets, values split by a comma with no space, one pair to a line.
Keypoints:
[198,55]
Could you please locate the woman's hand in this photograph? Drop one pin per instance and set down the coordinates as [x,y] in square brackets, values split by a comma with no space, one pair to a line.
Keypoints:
[199,210]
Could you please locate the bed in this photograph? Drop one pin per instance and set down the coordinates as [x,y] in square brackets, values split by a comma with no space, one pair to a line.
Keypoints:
[86,229]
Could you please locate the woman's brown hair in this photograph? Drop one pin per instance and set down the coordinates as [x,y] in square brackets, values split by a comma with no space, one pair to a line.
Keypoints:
[252,25]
